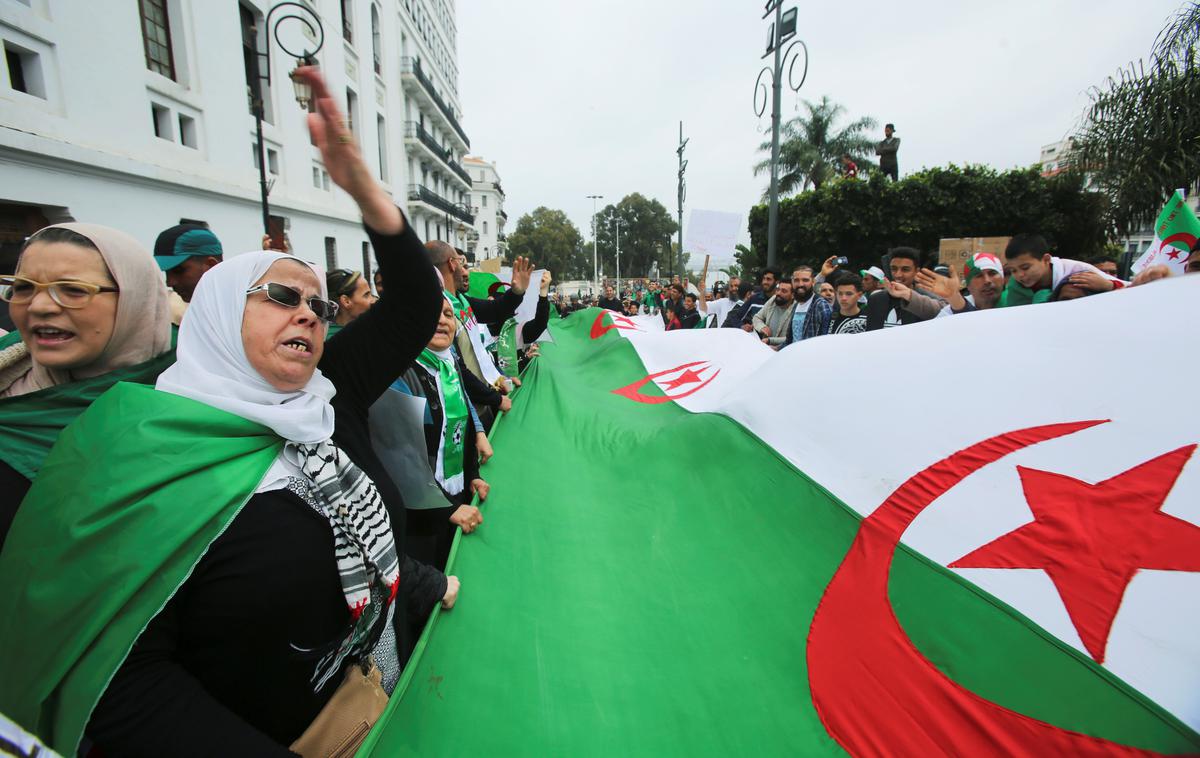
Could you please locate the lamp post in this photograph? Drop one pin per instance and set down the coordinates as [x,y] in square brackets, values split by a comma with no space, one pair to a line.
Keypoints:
[616,222]
[783,29]
[302,89]
[681,189]
[595,257]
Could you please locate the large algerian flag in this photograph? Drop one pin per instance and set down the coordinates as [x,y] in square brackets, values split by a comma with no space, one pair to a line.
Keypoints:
[1175,234]
[852,562]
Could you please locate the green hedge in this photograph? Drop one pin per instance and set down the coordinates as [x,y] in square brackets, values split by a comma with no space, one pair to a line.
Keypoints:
[862,219]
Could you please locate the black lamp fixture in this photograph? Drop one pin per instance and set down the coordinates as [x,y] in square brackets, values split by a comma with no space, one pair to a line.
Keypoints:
[291,11]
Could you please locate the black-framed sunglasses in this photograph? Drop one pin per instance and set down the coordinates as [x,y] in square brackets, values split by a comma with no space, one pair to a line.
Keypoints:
[290,297]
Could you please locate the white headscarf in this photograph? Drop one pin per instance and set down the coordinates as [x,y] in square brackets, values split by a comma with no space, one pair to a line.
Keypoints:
[212,367]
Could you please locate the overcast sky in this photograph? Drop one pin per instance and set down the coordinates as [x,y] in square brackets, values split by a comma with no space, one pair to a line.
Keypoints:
[572,99]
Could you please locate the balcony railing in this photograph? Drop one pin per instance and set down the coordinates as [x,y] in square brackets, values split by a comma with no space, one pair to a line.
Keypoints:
[413,66]
[419,192]
[499,189]
[414,130]
[502,214]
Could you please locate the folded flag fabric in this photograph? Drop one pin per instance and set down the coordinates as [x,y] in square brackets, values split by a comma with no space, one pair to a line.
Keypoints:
[1012,569]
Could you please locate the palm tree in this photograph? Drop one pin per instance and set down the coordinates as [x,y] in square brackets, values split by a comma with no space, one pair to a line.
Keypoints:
[1140,136]
[811,150]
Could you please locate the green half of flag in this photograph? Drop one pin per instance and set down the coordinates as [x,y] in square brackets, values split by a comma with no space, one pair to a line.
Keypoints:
[126,504]
[645,583]
[30,423]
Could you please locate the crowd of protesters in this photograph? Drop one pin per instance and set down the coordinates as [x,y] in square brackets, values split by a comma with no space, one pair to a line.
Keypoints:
[302,576]
[326,442]
[781,310]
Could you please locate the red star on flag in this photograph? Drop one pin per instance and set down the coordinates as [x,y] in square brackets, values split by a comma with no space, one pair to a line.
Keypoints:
[1174,253]
[1092,538]
[687,377]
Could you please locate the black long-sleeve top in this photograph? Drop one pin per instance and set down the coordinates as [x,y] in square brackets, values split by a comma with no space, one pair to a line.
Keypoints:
[227,667]
[496,310]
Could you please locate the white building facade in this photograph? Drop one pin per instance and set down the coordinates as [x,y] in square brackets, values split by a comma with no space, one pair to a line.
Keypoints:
[487,205]
[137,115]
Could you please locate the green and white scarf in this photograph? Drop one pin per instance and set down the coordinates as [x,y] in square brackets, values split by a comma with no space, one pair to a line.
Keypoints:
[449,467]
[506,349]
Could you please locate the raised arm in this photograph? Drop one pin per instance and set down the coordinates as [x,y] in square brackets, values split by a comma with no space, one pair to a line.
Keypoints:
[374,349]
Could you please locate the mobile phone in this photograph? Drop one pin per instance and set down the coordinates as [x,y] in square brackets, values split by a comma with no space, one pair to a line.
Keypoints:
[842,260]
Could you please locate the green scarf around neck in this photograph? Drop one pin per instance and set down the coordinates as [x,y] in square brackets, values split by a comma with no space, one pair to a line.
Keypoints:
[454,418]
[125,506]
[30,423]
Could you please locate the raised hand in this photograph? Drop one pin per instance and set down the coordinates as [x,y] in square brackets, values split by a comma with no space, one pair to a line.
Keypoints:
[945,287]
[343,159]
[829,266]
[521,270]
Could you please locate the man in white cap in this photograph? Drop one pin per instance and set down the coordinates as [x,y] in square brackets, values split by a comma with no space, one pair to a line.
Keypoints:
[985,281]
[872,279]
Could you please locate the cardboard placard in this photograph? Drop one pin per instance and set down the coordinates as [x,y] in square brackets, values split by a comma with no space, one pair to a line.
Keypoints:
[954,252]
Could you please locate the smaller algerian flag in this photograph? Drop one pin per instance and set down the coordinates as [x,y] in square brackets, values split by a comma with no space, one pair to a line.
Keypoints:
[484,285]
[1175,234]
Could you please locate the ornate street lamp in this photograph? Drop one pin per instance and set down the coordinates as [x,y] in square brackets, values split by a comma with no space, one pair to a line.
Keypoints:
[303,91]
[781,31]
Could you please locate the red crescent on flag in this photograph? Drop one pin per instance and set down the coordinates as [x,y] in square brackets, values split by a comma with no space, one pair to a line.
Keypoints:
[1188,240]
[875,693]
[633,391]
[599,328]
[495,287]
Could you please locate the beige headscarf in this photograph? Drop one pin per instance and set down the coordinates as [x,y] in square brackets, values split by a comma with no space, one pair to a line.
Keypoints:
[143,327]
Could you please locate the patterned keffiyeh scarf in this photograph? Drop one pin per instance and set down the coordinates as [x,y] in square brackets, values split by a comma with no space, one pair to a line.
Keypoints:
[363,544]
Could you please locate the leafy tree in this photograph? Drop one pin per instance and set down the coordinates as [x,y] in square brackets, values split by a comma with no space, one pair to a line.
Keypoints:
[646,228]
[548,238]
[862,220]
[1141,134]
[811,147]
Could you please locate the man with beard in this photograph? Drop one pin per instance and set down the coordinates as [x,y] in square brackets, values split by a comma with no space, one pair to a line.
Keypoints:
[724,298]
[773,321]
[813,313]
[899,302]
[985,281]
[738,310]
[766,282]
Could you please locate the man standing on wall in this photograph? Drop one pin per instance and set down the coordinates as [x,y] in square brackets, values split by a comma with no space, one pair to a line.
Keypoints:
[886,150]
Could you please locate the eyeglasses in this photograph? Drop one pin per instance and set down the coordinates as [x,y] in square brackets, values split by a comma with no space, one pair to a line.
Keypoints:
[67,292]
[291,297]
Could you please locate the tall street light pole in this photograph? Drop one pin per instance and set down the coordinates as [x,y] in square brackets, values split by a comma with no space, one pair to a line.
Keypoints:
[617,223]
[783,29]
[681,191]
[303,91]
[595,257]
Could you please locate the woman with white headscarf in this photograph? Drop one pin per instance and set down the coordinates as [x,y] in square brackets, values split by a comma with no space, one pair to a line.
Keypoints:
[222,559]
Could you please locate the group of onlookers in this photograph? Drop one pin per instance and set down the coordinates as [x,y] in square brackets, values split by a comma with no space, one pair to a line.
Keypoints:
[833,300]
